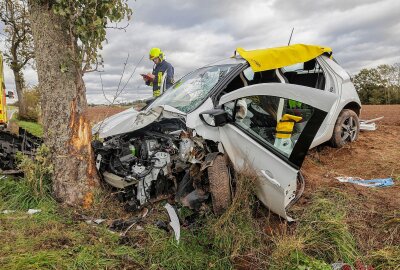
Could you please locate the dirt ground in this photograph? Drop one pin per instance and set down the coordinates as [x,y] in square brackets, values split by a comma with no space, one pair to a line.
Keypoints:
[374,155]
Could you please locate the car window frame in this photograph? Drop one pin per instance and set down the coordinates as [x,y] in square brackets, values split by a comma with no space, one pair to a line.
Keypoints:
[295,159]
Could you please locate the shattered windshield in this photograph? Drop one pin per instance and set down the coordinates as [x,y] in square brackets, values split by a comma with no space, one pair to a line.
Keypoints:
[190,91]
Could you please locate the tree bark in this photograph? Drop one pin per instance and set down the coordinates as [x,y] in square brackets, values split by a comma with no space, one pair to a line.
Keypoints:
[19,86]
[64,106]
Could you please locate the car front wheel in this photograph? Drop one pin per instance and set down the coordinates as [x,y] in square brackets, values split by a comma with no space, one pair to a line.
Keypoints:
[220,185]
[346,128]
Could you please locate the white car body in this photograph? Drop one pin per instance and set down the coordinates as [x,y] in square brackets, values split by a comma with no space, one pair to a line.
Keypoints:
[277,174]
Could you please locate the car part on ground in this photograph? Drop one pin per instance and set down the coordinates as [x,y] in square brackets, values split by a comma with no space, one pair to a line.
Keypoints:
[347,128]
[175,225]
[369,125]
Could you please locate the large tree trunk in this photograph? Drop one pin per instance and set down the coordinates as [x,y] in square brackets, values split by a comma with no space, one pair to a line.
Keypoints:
[19,86]
[64,106]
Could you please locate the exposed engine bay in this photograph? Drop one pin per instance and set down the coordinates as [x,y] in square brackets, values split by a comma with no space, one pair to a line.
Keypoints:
[164,158]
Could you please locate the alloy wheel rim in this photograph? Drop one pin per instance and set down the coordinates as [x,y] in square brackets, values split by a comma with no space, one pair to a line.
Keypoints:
[349,129]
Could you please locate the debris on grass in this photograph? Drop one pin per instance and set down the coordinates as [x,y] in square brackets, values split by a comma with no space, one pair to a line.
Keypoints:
[383,182]
[95,221]
[33,211]
[7,211]
[175,225]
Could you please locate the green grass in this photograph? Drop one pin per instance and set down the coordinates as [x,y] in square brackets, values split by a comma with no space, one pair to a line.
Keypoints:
[52,239]
[325,230]
[32,127]
[55,239]
[321,235]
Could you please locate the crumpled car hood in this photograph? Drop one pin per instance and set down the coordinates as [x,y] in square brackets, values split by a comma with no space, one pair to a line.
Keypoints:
[131,120]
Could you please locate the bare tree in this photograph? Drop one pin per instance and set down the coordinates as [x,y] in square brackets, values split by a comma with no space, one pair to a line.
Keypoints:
[19,43]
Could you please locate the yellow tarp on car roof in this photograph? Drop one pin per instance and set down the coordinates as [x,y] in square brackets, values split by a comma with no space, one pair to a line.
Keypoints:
[272,58]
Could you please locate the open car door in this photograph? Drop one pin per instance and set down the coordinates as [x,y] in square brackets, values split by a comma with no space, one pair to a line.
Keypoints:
[270,129]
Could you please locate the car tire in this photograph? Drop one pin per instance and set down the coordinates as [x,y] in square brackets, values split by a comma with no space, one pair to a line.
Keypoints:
[347,128]
[220,185]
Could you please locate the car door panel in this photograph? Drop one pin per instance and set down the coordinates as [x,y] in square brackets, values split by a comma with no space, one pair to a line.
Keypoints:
[276,194]
[276,170]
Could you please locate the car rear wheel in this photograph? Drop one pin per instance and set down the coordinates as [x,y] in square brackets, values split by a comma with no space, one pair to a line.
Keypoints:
[346,129]
[220,185]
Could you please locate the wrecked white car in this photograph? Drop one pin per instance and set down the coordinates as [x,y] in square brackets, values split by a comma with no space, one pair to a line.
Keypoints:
[263,109]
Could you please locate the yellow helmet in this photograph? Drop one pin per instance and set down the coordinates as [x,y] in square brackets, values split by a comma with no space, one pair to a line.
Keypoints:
[156,52]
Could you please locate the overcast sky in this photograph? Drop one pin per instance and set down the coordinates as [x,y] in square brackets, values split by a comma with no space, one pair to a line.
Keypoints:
[362,34]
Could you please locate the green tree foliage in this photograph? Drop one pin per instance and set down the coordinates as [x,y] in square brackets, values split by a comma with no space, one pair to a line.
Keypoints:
[88,21]
[379,85]
[32,104]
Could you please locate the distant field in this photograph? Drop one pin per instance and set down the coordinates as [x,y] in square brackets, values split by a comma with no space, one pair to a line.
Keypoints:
[391,113]
[99,113]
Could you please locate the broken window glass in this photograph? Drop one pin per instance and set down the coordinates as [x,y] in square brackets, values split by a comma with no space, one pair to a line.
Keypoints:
[189,92]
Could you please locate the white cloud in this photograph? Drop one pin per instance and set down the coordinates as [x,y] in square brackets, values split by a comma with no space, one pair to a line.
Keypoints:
[362,33]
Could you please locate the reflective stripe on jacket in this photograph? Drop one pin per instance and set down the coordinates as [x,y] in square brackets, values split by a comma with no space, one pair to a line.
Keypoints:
[158,72]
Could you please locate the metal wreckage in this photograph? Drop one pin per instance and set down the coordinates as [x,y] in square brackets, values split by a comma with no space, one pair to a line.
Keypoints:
[260,109]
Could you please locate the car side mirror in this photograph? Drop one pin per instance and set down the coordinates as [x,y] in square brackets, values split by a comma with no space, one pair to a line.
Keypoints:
[10,94]
[214,118]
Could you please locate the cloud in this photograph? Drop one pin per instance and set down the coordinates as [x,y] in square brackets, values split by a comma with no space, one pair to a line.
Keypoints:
[362,33]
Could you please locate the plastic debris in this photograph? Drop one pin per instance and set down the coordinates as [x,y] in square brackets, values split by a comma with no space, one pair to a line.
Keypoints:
[369,124]
[33,211]
[99,220]
[384,182]
[95,221]
[7,212]
[174,221]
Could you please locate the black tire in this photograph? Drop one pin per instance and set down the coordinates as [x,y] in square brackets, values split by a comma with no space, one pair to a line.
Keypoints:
[346,130]
[220,185]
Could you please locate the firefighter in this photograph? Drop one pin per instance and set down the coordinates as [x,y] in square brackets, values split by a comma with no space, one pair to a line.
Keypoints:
[160,67]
